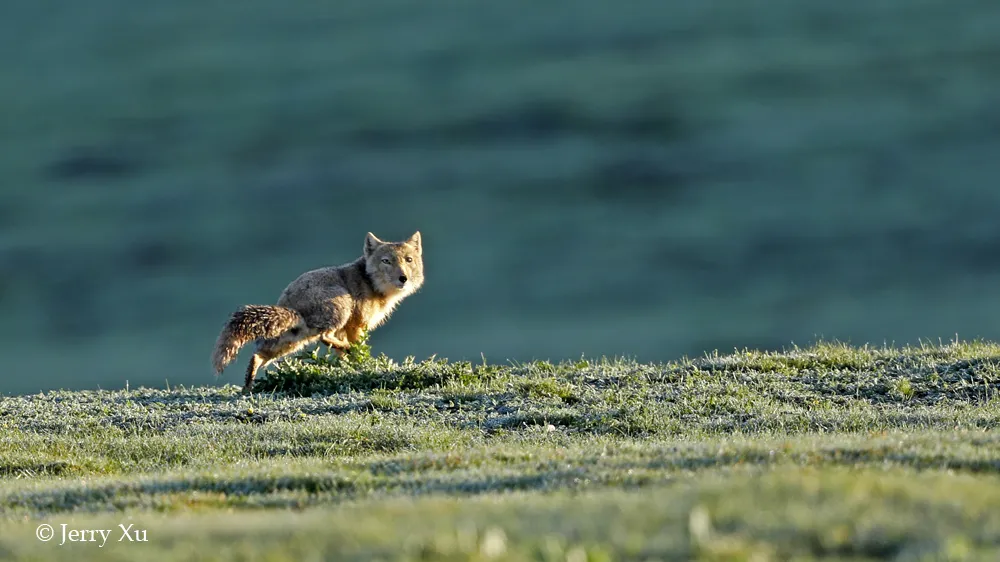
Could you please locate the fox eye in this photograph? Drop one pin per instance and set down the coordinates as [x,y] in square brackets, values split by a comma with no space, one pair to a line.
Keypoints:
[385,260]
[408,259]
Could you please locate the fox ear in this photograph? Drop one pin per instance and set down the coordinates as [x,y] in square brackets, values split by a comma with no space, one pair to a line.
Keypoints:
[415,241]
[371,243]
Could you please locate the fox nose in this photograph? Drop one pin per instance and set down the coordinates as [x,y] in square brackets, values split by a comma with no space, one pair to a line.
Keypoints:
[402,279]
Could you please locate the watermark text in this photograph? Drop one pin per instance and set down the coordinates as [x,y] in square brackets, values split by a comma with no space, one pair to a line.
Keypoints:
[66,534]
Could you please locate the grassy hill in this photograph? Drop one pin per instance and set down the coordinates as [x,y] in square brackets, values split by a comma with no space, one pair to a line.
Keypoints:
[650,182]
[829,451]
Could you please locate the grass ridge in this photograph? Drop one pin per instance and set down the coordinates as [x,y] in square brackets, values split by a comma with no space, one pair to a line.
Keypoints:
[328,436]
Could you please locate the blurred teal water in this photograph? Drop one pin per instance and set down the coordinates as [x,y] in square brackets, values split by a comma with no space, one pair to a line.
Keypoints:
[653,182]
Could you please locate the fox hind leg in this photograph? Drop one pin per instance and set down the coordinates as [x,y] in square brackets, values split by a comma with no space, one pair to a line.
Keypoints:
[329,318]
[330,338]
[322,323]
[337,345]
[256,362]
[330,314]
[270,350]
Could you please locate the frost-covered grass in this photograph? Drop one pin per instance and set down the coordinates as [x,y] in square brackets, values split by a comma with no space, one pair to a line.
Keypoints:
[830,450]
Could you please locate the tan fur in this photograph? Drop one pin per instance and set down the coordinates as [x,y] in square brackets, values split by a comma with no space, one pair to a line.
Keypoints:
[333,305]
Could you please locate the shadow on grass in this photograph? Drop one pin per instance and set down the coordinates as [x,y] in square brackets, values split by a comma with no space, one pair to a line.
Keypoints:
[402,477]
[301,377]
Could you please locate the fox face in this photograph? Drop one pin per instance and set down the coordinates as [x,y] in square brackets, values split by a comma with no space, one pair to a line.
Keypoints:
[395,267]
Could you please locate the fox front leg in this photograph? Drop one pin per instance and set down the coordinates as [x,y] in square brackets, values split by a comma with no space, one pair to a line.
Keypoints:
[354,334]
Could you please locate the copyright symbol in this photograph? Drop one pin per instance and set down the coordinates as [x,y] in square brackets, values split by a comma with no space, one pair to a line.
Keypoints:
[44,532]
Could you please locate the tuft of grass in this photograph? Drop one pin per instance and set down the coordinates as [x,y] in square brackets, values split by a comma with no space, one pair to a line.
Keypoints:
[547,388]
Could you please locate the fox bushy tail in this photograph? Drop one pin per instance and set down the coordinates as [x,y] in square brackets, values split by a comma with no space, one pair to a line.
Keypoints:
[249,323]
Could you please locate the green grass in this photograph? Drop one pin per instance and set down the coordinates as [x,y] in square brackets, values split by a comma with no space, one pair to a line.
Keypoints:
[829,451]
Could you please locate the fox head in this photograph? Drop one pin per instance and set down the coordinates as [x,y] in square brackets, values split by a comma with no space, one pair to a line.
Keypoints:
[395,267]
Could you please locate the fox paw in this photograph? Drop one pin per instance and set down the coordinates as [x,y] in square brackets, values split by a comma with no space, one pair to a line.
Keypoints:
[337,345]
